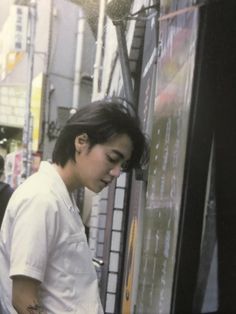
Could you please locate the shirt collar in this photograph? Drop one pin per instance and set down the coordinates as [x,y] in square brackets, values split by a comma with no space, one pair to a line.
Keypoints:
[59,185]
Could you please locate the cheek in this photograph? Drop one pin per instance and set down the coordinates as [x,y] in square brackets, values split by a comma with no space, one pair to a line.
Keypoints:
[97,157]
[97,163]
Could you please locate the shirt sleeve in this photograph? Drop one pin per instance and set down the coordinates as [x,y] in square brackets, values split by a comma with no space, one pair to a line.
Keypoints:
[34,230]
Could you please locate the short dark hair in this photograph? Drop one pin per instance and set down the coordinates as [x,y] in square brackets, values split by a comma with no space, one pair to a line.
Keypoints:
[101,120]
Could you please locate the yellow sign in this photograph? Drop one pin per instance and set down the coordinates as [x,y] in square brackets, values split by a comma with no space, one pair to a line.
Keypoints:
[36,102]
[127,295]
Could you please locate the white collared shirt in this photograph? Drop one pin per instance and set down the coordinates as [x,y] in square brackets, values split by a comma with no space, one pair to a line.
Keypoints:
[43,237]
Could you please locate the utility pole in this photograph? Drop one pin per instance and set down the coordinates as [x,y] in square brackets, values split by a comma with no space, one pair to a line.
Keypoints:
[117,10]
[28,122]
[78,58]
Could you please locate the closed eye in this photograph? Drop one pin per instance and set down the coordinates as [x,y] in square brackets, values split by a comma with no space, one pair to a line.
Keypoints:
[112,160]
[124,164]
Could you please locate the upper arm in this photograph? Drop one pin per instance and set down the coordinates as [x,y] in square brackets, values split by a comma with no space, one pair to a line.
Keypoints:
[32,237]
[25,294]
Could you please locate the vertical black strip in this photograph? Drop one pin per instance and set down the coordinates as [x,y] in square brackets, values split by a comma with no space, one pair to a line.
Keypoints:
[225,134]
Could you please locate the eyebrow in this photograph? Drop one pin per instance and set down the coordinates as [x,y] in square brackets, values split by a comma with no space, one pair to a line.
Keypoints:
[118,153]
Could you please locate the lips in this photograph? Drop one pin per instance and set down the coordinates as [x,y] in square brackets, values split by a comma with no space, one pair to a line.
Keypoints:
[105,182]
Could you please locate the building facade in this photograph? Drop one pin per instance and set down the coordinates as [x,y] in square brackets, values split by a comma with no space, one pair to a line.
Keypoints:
[158,230]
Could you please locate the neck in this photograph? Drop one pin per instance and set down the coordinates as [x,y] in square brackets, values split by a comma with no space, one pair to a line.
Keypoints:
[67,175]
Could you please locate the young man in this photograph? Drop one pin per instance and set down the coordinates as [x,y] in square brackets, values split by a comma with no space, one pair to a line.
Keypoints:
[46,265]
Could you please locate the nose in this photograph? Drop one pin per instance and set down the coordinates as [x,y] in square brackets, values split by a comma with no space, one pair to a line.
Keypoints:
[115,171]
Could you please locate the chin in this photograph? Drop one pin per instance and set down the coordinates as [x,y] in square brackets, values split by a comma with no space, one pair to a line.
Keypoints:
[95,189]
[98,190]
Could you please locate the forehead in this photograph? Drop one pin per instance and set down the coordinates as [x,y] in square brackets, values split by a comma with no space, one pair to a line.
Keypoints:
[121,145]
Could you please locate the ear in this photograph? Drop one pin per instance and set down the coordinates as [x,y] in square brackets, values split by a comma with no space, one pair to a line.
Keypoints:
[81,141]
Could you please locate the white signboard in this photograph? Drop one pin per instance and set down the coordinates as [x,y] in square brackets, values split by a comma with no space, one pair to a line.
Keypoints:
[19,24]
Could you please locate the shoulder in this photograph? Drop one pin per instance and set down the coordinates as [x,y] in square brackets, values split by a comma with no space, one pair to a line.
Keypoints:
[34,195]
[6,189]
[37,206]
[4,185]
[35,186]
